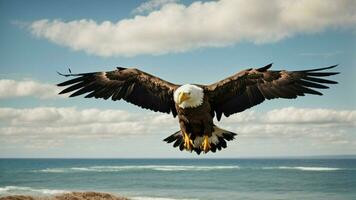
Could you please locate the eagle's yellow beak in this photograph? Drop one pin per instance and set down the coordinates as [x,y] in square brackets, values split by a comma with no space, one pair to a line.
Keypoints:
[182,97]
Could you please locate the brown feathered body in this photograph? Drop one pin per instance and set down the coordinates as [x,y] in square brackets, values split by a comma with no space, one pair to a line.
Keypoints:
[197,122]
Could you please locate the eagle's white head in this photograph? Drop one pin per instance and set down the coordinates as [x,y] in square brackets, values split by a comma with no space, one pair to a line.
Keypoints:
[188,96]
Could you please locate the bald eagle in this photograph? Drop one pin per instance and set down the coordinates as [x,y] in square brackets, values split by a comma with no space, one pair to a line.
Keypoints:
[197,105]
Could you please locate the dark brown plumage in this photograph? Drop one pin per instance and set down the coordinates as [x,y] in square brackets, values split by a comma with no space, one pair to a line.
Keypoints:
[132,85]
[252,86]
[228,96]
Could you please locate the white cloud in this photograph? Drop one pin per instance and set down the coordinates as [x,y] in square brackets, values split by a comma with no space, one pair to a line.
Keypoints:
[51,121]
[178,28]
[151,5]
[58,124]
[321,125]
[292,115]
[314,116]
[12,88]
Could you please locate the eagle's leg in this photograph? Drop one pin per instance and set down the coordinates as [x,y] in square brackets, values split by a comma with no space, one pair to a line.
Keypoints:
[206,145]
[188,143]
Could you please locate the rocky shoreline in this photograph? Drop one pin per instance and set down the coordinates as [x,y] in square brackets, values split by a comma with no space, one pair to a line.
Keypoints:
[68,196]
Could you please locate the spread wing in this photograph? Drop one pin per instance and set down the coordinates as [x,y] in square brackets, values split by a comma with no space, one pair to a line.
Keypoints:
[252,86]
[132,85]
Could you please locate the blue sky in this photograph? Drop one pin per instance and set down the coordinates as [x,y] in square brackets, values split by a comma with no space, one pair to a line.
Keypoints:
[39,38]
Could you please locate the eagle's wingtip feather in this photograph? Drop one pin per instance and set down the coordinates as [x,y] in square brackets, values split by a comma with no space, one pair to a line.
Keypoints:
[265,68]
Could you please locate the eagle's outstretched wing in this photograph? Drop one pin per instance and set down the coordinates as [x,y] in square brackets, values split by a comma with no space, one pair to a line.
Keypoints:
[252,86]
[132,85]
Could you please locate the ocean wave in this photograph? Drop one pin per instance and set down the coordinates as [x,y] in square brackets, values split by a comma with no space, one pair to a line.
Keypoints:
[157,198]
[8,190]
[136,167]
[303,168]
[173,168]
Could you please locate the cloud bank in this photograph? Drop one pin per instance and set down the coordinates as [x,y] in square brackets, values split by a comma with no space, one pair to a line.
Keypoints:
[12,88]
[47,124]
[179,28]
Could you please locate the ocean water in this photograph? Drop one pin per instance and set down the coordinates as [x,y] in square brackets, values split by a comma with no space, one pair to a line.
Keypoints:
[171,179]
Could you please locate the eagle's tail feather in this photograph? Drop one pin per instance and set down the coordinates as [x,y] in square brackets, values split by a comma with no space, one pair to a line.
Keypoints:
[173,137]
[219,137]
[177,138]
[217,140]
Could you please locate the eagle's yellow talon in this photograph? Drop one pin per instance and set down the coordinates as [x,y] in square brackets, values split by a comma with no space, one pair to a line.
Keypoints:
[206,145]
[188,143]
